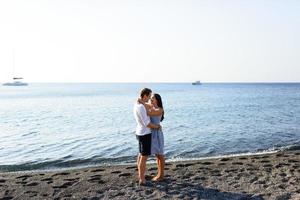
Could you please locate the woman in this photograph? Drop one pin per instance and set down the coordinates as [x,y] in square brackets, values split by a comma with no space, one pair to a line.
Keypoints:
[156,112]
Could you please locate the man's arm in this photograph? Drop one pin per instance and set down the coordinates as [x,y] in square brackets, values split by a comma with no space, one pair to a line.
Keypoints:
[146,120]
[154,126]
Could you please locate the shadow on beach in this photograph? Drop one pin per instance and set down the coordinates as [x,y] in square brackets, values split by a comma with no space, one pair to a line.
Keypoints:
[170,189]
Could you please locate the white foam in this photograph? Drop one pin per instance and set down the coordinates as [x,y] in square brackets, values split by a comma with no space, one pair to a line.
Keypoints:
[179,159]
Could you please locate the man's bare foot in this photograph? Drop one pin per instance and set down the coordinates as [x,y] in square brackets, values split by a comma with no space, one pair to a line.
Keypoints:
[142,182]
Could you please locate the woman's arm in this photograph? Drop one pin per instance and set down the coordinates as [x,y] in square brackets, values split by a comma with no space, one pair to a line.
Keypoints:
[155,111]
[147,106]
[151,111]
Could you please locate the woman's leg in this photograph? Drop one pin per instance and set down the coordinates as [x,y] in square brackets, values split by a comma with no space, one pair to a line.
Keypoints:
[162,166]
[158,164]
[158,168]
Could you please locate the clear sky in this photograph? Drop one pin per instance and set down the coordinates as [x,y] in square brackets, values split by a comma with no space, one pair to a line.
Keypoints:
[150,41]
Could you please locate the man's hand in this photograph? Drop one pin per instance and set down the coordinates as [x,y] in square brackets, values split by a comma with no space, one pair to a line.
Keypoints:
[159,127]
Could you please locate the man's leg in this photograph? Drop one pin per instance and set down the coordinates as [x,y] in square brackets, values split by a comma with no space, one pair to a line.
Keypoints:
[142,168]
[145,151]
[138,164]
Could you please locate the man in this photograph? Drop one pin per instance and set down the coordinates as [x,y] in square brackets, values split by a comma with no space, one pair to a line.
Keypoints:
[143,133]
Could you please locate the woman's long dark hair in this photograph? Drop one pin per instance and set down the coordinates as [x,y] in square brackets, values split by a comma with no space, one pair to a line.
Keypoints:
[159,104]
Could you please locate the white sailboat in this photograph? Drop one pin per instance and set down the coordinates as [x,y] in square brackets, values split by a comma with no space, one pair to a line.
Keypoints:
[197,83]
[17,81]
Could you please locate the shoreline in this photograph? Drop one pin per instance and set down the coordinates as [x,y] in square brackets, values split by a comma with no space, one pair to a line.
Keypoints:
[151,160]
[274,175]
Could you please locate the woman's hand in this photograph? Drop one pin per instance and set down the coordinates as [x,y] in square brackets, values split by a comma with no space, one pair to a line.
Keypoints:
[139,100]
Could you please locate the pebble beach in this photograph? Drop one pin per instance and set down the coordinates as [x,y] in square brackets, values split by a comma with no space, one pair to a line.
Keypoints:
[265,176]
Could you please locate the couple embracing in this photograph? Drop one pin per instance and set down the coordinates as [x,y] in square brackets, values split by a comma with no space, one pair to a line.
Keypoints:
[148,115]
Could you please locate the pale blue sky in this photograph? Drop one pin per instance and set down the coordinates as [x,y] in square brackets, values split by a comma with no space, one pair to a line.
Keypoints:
[145,41]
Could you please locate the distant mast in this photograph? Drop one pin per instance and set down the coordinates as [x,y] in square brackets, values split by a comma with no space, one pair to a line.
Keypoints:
[13,64]
[17,81]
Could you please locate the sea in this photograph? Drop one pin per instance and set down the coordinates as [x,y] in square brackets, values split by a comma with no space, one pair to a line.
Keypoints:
[47,126]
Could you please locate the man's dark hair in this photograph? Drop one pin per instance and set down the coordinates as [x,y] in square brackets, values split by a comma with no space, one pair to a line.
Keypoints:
[145,91]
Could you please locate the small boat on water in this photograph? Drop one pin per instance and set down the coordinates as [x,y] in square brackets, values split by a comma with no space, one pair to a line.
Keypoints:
[17,81]
[197,83]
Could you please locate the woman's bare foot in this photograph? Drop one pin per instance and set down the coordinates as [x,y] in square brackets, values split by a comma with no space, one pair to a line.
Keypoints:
[154,178]
[157,179]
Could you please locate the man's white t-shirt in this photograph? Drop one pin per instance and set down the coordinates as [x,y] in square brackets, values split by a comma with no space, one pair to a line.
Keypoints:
[142,119]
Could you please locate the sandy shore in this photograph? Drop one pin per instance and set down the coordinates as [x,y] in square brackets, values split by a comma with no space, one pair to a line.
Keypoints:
[268,176]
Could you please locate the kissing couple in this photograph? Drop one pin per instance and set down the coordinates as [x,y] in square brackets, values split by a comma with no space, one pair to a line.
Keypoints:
[148,115]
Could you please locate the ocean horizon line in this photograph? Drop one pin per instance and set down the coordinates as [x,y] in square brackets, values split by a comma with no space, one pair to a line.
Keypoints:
[179,82]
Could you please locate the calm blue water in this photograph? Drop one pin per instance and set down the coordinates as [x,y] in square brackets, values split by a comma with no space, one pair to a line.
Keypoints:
[66,125]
